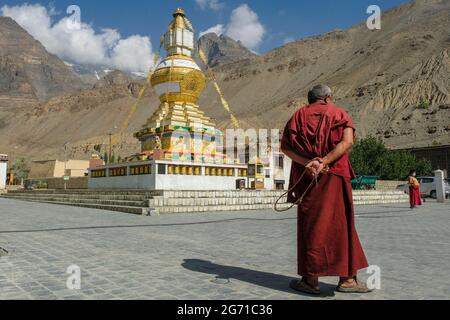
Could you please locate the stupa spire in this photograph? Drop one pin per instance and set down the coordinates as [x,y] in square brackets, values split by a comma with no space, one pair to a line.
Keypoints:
[179,130]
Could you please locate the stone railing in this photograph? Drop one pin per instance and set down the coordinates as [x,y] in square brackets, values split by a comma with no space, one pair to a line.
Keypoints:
[388,185]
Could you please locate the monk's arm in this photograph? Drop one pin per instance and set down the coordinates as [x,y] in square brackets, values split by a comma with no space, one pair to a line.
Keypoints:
[342,148]
[294,156]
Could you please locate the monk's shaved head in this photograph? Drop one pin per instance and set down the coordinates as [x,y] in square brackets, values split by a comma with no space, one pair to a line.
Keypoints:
[319,92]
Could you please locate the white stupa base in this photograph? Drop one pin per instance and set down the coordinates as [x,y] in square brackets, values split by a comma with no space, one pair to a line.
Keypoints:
[159,178]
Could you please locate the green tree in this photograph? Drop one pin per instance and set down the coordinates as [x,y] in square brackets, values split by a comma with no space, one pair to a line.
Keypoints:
[20,169]
[366,156]
[105,157]
[371,157]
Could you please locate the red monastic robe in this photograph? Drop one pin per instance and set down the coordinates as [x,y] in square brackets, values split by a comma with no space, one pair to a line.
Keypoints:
[415,198]
[328,244]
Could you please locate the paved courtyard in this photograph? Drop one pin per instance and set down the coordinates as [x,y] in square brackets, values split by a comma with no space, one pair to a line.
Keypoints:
[233,255]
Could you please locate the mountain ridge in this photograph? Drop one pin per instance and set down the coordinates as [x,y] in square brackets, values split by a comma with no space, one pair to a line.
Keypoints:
[394,82]
[27,70]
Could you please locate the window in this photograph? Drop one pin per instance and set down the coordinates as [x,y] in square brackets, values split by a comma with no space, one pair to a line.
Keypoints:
[281,162]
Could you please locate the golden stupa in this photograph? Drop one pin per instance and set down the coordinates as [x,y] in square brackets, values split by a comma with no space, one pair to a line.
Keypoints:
[179,130]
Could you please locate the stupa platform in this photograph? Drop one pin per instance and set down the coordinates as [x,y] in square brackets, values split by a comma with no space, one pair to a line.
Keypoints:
[167,175]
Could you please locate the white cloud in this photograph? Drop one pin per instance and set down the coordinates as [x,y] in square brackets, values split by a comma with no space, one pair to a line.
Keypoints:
[218,29]
[83,45]
[214,5]
[244,26]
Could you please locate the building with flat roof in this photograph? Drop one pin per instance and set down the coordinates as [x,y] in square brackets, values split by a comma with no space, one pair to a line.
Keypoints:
[41,169]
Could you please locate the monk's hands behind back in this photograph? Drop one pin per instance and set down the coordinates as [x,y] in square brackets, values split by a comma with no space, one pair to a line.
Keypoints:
[315,167]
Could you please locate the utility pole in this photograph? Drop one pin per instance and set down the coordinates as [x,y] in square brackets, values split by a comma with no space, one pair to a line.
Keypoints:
[110,142]
[110,147]
[65,165]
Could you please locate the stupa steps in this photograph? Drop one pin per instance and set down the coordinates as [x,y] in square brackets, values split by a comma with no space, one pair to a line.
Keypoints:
[135,198]
[117,208]
[92,193]
[163,202]
[120,203]
[182,202]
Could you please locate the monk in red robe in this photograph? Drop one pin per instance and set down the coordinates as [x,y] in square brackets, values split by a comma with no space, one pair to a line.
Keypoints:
[318,139]
[415,198]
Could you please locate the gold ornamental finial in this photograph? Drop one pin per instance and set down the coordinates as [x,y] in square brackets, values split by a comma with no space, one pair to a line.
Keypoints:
[179,12]
[179,17]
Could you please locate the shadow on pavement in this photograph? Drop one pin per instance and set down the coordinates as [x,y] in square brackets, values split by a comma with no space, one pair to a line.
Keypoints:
[259,278]
[157,225]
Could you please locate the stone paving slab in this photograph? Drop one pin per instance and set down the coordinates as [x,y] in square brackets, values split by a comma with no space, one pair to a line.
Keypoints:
[227,255]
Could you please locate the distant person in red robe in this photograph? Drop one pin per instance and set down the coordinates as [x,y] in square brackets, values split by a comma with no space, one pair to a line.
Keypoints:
[318,139]
[415,198]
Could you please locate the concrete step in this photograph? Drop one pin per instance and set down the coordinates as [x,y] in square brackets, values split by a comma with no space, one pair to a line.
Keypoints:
[78,196]
[160,201]
[172,202]
[199,209]
[139,202]
[375,202]
[262,193]
[126,203]
[145,193]
[117,208]
[241,207]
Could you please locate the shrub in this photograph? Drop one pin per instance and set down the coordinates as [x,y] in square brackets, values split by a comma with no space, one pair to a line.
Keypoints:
[371,157]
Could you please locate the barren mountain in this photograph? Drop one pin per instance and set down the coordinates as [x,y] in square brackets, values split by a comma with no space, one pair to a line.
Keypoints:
[27,71]
[395,82]
[221,50]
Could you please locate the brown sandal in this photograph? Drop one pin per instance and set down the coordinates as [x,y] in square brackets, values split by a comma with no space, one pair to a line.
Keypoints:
[356,288]
[302,286]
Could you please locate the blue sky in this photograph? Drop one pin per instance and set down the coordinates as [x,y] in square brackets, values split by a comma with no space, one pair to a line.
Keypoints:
[281,20]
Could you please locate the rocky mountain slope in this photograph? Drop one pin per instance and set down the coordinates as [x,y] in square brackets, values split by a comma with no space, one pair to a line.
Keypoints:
[395,82]
[221,50]
[27,71]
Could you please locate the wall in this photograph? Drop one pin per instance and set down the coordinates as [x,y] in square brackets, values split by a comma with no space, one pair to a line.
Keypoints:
[74,183]
[42,169]
[175,182]
[74,168]
[166,181]
[78,168]
[3,166]
[287,171]
[388,185]
[55,168]
[123,183]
